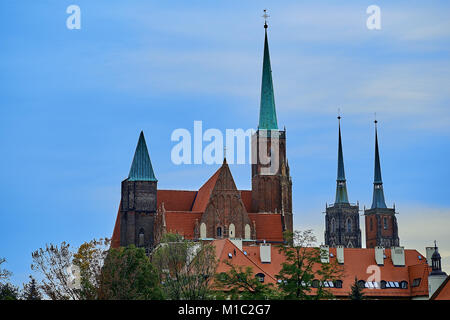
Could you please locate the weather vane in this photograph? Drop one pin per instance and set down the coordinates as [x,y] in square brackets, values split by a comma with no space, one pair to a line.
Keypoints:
[265,16]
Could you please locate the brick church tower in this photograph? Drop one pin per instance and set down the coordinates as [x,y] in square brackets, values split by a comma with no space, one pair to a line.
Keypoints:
[381,223]
[342,218]
[271,181]
[138,200]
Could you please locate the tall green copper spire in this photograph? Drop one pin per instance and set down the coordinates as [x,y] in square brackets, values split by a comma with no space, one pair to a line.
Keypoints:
[141,168]
[267,112]
[378,194]
[341,186]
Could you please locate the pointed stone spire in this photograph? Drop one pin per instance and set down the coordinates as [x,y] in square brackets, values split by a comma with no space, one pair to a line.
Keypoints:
[378,194]
[267,112]
[141,168]
[341,186]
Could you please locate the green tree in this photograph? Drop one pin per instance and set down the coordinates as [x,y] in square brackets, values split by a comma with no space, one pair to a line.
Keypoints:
[241,283]
[7,290]
[54,264]
[69,274]
[185,268]
[89,259]
[303,268]
[127,274]
[356,291]
[4,274]
[31,291]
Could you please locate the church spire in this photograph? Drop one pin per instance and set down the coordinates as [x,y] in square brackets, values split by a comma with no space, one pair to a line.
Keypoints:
[341,187]
[378,194]
[267,112]
[141,168]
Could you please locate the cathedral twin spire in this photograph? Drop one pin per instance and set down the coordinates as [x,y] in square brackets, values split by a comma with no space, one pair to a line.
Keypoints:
[341,188]
[378,194]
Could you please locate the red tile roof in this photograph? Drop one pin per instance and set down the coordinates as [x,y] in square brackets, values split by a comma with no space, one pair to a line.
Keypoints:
[356,263]
[204,193]
[268,226]
[182,222]
[246,196]
[115,239]
[443,292]
[176,200]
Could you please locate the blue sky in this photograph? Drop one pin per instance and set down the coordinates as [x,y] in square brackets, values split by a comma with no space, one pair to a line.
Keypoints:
[72,104]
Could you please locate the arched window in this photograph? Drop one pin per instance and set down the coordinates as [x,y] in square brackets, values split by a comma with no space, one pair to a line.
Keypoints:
[260,277]
[385,223]
[219,232]
[141,240]
[203,230]
[349,225]
[333,225]
[247,231]
[338,283]
[371,223]
[383,284]
[404,285]
[361,284]
[232,231]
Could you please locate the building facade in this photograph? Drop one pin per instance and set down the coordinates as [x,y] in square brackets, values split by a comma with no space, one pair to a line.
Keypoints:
[218,209]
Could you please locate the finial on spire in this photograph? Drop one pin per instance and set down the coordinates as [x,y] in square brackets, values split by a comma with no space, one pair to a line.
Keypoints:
[375,119]
[265,16]
[339,114]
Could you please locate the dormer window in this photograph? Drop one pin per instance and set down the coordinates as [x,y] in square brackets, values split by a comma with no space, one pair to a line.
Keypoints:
[260,277]
[219,232]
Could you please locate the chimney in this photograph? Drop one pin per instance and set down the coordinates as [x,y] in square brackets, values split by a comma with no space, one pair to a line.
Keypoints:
[237,242]
[340,254]
[398,256]
[265,252]
[379,255]
[429,251]
[324,254]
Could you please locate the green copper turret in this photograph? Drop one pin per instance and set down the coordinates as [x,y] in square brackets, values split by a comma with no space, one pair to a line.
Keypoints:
[141,168]
[267,112]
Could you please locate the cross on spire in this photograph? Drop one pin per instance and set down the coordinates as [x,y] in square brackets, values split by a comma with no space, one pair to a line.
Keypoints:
[265,16]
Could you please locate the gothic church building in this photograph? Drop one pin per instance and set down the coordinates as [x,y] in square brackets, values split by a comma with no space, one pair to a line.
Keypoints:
[218,209]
